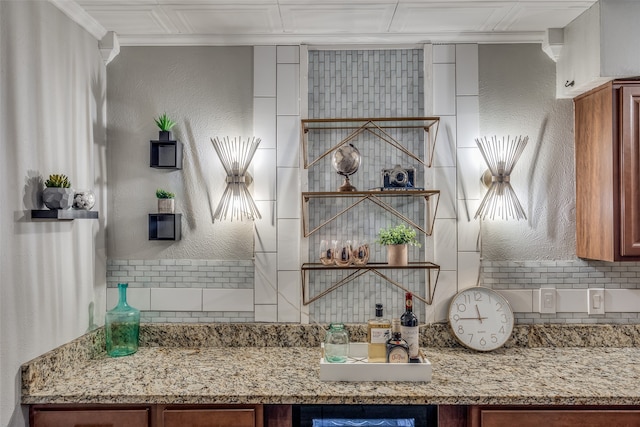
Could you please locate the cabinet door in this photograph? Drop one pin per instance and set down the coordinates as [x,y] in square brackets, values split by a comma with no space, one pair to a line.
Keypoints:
[97,418]
[559,418]
[630,171]
[245,417]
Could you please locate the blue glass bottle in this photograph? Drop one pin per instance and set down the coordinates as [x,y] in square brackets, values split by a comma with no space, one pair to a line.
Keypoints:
[122,326]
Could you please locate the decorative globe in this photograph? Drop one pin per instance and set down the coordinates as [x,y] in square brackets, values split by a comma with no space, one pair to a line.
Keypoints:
[346,160]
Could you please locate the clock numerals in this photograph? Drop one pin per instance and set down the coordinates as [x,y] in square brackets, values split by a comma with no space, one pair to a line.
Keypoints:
[477,296]
[498,306]
[461,307]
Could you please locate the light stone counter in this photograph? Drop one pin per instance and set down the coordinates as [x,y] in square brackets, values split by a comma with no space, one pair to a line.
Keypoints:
[80,372]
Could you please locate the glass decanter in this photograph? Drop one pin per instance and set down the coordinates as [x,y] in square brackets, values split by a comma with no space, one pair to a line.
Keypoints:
[122,326]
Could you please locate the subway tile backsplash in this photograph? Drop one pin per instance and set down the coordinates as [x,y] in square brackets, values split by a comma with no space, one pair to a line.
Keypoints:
[185,290]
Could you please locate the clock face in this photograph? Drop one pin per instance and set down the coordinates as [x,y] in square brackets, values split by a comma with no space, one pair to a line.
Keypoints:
[480,318]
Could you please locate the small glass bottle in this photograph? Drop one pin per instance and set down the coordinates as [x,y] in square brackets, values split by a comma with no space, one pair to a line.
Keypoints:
[336,344]
[397,348]
[378,333]
[122,326]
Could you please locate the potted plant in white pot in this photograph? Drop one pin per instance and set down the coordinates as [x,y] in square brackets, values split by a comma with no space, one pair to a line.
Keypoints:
[58,193]
[396,239]
[165,124]
[165,201]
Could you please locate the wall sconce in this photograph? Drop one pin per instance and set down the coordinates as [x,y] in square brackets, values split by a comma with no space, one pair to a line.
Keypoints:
[235,157]
[501,157]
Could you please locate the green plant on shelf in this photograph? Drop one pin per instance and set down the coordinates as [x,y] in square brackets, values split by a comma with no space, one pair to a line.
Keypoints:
[58,181]
[164,194]
[398,235]
[164,122]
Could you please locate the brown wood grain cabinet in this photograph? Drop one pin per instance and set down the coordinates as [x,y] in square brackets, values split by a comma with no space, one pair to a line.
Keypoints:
[240,417]
[149,416]
[76,417]
[552,417]
[607,153]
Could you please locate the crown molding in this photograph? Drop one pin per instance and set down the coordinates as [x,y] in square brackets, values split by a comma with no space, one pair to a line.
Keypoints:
[329,39]
[553,43]
[77,14]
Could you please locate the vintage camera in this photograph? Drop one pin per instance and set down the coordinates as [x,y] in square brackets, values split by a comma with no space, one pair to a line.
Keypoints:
[398,177]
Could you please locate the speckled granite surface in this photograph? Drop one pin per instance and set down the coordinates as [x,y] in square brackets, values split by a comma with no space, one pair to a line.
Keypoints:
[542,364]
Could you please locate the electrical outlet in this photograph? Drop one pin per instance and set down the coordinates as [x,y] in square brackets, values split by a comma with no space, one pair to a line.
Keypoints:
[548,301]
[595,299]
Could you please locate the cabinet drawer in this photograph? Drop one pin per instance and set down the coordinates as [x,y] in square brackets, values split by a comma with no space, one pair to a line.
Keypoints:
[245,417]
[559,418]
[91,418]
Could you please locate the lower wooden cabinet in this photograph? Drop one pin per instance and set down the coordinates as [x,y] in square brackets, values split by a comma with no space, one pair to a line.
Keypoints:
[240,417]
[147,416]
[552,417]
[69,417]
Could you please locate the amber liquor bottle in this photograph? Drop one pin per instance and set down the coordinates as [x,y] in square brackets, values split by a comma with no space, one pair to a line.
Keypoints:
[397,348]
[410,327]
[378,333]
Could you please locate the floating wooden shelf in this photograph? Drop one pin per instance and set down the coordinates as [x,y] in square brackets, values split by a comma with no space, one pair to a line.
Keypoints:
[63,214]
[355,271]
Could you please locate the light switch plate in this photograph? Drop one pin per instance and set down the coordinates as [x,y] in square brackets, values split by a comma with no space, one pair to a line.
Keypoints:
[595,300]
[548,301]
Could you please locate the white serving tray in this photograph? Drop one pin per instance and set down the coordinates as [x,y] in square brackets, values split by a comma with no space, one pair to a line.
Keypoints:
[356,368]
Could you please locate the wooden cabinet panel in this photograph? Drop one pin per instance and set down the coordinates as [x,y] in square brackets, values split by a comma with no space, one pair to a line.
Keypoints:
[90,418]
[245,417]
[558,418]
[630,171]
[607,152]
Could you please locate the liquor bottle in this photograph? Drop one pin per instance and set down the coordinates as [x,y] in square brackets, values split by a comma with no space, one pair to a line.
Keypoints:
[397,348]
[410,327]
[378,333]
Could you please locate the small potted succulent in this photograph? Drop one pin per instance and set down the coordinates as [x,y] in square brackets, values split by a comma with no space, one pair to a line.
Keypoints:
[396,239]
[58,193]
[165,201]
[165,124]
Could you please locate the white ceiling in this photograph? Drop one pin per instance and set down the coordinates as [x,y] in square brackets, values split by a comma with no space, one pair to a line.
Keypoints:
[255,22]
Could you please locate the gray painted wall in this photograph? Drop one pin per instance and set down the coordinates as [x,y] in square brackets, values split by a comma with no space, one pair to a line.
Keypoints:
[208,91]
[52,120]
[517,97]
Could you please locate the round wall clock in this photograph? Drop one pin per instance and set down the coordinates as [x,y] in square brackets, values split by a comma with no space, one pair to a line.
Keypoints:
[480,318]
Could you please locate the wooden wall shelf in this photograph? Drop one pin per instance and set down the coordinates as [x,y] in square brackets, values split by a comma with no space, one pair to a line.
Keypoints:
[63,214]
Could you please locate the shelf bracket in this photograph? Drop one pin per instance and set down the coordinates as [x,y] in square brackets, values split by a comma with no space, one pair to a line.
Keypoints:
[359,271]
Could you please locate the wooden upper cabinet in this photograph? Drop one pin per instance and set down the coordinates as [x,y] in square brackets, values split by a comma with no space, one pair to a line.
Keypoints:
[607,150]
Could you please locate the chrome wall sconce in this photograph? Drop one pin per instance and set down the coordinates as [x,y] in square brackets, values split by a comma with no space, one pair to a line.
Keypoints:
[501,155]
[235,156]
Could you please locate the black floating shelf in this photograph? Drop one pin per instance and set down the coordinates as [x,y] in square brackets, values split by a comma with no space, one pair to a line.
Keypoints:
[165,226]
[165,154]
[63,214]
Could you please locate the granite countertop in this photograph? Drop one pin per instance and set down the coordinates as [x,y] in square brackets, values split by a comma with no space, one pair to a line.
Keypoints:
[190,364]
